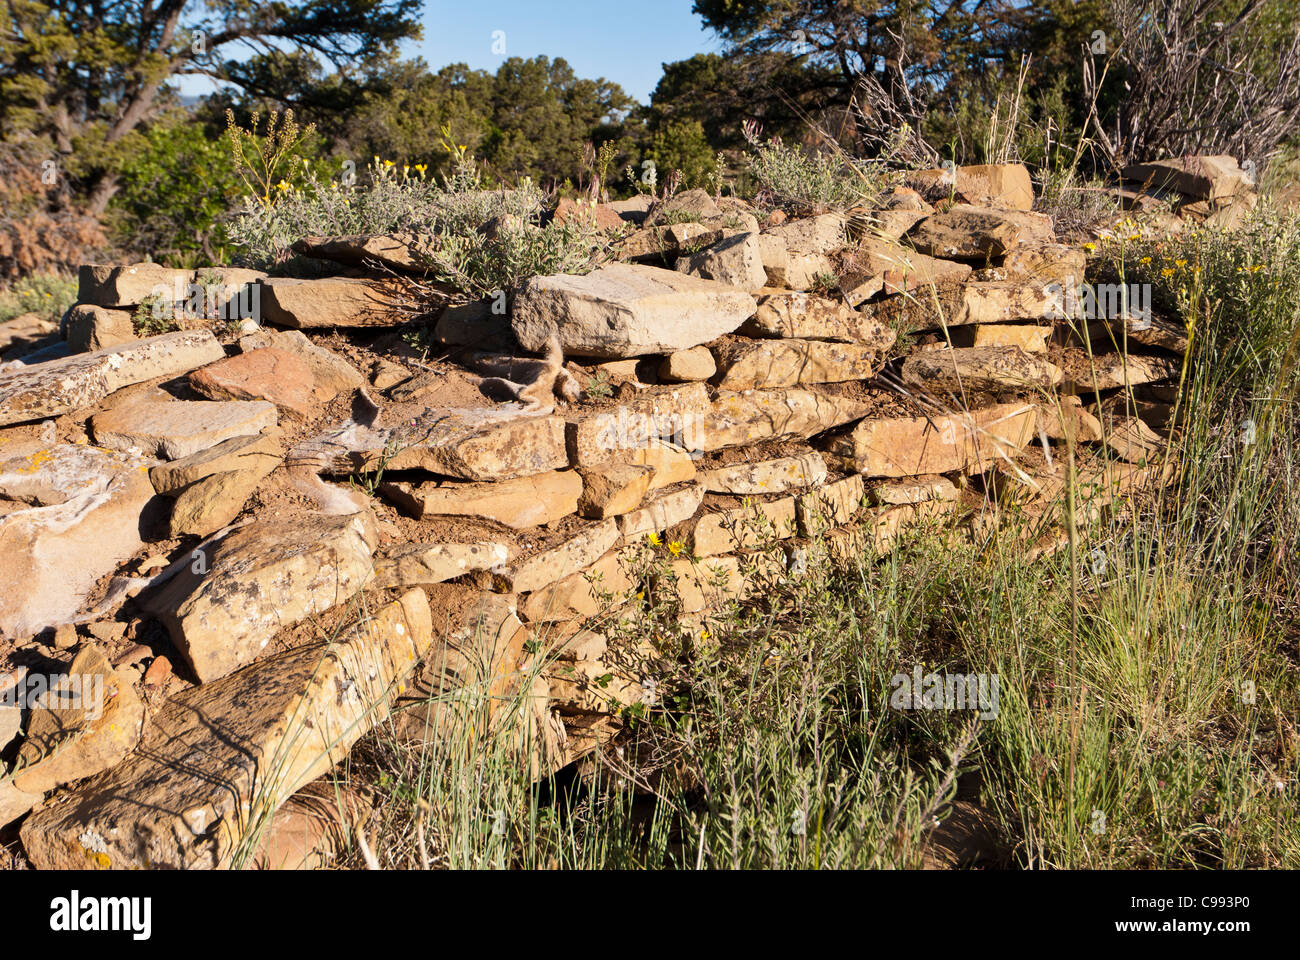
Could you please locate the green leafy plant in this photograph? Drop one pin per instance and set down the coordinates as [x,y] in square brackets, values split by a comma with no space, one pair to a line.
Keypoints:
[47,294]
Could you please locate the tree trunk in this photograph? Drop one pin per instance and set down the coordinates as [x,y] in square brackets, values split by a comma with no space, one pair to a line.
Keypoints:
[105,189]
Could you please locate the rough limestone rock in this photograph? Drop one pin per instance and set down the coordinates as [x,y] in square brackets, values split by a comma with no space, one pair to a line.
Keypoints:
[985,301]
[887,493]
[180,428]
[91,721]
[1027,337]
[736,261]
[759,364]
[131,285]
[1118,370]
[613,490]
[401,251]
[624,310]
[240,591]
[981,369]
[753,416]
[1067,420]
[215,501]
[329,371]
[829,506]
[812,235]
[655,413]
[519,503]
[72,383]
[1045,262]
[90,327]
[965,232]
[744,528]
[82,520]
[1204,177]
[998,184]
[671,464]
[595,590]
[684,366]
[540,570]
[407,565]
[332,302]
[218,755]
[767,476]
[911,446]
[669,508]
[804,316]
[881,266]
[257,453]
[268,374]
[470,444]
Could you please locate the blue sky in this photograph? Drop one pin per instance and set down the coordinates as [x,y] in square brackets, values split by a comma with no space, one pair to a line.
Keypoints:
[626,43]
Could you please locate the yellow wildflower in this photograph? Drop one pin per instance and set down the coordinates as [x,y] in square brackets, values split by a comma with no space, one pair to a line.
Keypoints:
[675,548]
[655,539]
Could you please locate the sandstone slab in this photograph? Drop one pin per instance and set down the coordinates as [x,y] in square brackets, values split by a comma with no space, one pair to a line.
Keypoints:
[881,266]
[180,428]
[764,364]
[519,503]
[654,414]
[71,383]
[803,316]
[329,371]
[912,446]
[766,476]
[668,509]
[965,232]
[613,490]
[401,251]
[90,327]
[258,453]
[267,374]
[671,464]
[742,528]
[736,261]
[469,444]
[578,551]
[131,285]
[741,419]
[240,591]
[407,565]
[214,502]
[998,184]
[331,302]
[623,310]
[82,518]
[981,369]
[832,505]
[218,757]
[594,591]
[912,490]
